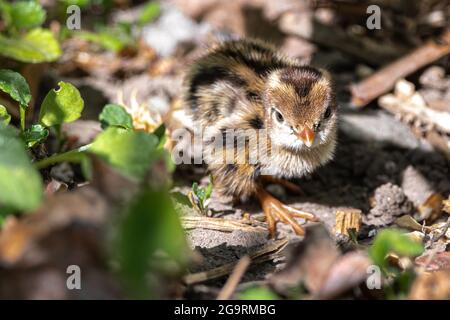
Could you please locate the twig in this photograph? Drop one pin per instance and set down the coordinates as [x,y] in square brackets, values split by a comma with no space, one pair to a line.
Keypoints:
[232,282]
[383,80]
[266,253]
[416,108]
[220,224]
[443,232]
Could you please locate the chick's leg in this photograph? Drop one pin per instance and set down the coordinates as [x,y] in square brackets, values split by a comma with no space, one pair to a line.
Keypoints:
[276,211]
[291,187]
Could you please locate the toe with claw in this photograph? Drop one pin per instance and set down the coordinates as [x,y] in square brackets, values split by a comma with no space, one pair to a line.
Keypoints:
[276,211]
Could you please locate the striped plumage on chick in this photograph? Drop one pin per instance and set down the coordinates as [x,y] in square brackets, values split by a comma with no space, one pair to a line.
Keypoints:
[248,84]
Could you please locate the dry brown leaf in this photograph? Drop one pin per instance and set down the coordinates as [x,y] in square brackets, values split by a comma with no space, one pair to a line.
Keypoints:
[409,222]
[309,263]
[431,286]
[434,262]
[83,205]
[431,209]
[446,204]
[348,271]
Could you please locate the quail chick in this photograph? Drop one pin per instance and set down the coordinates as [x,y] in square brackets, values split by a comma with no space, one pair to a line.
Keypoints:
[246,85]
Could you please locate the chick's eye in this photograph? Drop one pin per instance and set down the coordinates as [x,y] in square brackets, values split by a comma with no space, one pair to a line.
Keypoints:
[327,113]
[279,116]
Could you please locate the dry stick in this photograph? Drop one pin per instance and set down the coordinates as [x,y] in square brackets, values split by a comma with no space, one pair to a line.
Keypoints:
[384,80]
[220,224]
[232,282]
[266,253]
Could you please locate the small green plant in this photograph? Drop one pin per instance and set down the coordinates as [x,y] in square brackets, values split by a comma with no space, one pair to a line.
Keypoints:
[199,196]
[59,106]
[24,39]
[130,152]
[393,241]
[120,35]
[18,177]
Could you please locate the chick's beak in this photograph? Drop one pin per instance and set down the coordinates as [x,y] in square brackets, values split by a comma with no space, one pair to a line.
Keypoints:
[307,136]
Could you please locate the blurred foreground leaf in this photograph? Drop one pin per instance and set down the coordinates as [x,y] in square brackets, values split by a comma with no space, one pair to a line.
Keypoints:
[115,115]
[26,14]
[20,184]
[131,152]
[150,225]
[38,45]
[258,293]
[62,105]
[104,39]
[391,240]
[149,12]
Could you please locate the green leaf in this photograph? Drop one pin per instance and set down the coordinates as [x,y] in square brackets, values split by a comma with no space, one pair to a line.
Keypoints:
[27,14]
[203,194]
[150,224]
[20,184]
[149,12]
[5,118]
[258,293]
[115,115]
[62,105]
[16,86]
[160,132]
[106,40]
[38,45]
[392,240]
[198,191]
[5,10]
[209,188]
[80,3]
[35,134]
[131,152]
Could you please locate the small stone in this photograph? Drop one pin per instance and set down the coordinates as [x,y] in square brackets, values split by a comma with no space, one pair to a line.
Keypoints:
[390,203]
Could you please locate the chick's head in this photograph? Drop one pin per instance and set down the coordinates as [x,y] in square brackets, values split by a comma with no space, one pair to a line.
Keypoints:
[301,108]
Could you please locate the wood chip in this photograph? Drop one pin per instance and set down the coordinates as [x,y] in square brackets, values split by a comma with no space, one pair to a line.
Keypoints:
[347,218]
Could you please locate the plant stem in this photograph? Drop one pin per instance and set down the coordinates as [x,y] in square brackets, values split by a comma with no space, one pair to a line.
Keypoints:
[72,155]
[22,118]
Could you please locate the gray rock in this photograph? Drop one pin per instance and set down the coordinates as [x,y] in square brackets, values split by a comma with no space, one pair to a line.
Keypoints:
[171,29]
[379,127]
[390,203]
